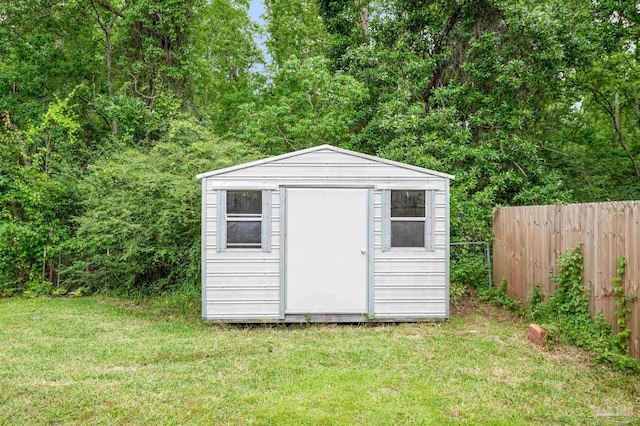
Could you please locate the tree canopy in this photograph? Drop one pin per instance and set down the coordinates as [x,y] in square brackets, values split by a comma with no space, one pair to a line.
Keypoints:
[110,107]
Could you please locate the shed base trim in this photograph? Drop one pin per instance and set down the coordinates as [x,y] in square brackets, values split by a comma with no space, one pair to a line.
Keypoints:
[327,319]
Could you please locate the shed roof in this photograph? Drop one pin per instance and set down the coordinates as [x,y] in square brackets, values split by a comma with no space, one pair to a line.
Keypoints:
[324,148]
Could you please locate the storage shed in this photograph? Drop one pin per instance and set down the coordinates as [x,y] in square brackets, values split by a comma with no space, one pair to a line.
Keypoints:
[325,235]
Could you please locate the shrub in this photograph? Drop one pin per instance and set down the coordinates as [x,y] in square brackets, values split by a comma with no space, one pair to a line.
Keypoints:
[140,231]
[456,291]
[469,266]
[498,296]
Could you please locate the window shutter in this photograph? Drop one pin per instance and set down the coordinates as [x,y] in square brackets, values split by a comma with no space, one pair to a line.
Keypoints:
[266,220]
[386,219]
[429,220]
[222,224]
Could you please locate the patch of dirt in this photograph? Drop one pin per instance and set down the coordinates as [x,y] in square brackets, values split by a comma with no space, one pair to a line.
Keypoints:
[469,306]
[465,306]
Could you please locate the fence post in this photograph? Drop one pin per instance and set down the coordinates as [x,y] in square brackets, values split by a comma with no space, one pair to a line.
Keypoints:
[487,250]
[488,254]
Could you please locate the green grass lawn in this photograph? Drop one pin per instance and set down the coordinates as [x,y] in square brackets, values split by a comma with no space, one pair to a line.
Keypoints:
[98,360]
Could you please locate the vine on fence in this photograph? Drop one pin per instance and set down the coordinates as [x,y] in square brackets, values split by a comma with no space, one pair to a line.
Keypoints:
[622,302]
[567,319]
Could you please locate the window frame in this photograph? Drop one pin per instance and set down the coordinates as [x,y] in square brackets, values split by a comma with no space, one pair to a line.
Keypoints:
[428,219]
[264,218]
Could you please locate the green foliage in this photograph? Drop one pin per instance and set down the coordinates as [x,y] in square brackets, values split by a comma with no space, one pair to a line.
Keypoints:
[307,106]
[46,49]
[140,229]
[156,45]
[566,315]
[536,298]
[80,291]
[464,88]
[348,24]
[223,62]
[498,296]
[622,302]
[295,30]
[34,213]
[469,266]
[525,102]
[37,288]
[457,290]
[37,193]
[184,300]
[571,299]
[602,135]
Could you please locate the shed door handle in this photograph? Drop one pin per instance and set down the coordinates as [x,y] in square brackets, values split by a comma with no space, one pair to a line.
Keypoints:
[363,251]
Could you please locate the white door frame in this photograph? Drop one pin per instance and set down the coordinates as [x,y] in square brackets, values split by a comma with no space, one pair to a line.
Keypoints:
[370,242]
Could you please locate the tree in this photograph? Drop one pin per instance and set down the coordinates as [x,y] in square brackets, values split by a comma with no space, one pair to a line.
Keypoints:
[304,105]
[40,41]
[348,23]
[157,45]
[35,209]
[595,143]
[106,25]
[294,30]
[469,88]
[222,76]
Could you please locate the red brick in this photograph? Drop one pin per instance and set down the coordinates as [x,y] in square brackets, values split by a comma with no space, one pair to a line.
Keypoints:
[537,335]
[535,340]
[537,331]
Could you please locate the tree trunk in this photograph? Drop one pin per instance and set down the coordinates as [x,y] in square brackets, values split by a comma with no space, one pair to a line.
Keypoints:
[107,28]
[107,38]
[364,20]
[50,272]
[617,123]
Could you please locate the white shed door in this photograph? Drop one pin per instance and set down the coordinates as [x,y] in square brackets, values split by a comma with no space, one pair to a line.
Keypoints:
[326,251]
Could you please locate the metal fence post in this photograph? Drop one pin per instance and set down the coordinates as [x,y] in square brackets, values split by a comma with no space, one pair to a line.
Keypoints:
[487,250]
[488,253]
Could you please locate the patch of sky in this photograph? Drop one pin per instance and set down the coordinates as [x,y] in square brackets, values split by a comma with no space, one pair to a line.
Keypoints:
[256,13]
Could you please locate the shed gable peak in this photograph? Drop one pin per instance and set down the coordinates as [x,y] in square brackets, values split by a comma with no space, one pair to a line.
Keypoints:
[322,154]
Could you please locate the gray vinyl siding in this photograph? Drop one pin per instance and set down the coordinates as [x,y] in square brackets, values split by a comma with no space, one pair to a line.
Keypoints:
[411,284]
[241,284]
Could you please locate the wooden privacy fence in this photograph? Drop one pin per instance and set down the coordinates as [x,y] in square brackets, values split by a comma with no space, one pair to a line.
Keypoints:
[528,240]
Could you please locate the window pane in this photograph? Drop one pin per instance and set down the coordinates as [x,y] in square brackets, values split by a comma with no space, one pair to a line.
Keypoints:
[244,202]
[407,204]
[407,234]
[244,234]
